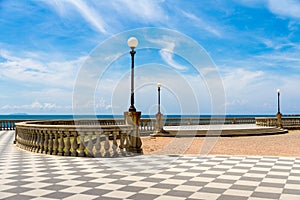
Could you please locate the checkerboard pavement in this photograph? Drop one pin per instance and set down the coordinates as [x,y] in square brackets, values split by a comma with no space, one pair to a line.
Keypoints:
[26,175]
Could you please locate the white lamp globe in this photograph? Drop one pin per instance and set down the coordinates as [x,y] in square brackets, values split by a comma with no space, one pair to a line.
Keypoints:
[132,42]
[158,85]
[278,91]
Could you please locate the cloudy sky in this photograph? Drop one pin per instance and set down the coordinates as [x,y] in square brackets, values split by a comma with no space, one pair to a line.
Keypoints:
[45,47]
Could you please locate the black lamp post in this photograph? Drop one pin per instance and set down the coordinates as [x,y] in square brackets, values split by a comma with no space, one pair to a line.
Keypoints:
[278,115]
[158,90]
[159,121]
[132,43]
[278,100]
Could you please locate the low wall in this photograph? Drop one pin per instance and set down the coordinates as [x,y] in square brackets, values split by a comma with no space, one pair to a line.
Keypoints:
[9,124]
[146,124]
[67,138]
[287,122]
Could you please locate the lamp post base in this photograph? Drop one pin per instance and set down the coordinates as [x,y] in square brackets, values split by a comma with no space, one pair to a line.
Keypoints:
[133,118]
[159,130]
[279,121]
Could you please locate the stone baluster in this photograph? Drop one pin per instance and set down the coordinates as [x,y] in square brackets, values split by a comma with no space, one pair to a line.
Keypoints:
[147,125]
[106,144]
[41,149]
[30,140]
[25,140]
[19,138]
[11,125]
[37,146]
[34,137]
[46,138]
[1,125]
[98,145]
[14,125]
[68,144]
[6,125]
[142,125]
[81,145]
[22,136]
[115,144]
[90,145]
[50,147]
[75,144]
[22,139]
[128,141]
[55,143]
[122,142]
[37,143]
[61,144]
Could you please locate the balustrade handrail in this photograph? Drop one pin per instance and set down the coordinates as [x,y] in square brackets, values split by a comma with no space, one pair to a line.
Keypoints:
[286,122]
[146,124]
[95,140]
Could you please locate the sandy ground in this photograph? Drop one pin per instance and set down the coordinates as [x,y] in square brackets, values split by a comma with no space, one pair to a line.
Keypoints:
[272,145]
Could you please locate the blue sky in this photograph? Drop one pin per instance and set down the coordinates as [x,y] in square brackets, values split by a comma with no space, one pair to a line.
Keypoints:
[254,45]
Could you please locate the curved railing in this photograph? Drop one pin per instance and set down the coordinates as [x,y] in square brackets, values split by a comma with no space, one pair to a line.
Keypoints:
[86,138]
[8,124]
[287,122]
[146,124]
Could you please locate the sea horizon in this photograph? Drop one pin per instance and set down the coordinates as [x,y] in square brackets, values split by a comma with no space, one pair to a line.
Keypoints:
[111,116]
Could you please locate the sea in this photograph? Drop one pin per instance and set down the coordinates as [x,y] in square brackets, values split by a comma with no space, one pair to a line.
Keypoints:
[70,117]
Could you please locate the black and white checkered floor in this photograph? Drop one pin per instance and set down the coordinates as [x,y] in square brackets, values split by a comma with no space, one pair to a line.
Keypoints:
[25,175]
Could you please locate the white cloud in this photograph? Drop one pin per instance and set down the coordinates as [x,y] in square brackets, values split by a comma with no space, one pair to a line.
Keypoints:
[90,15]
[168,45]
[168,57]
[101,104]
[237,102]
[28,70]
[203,24]
[239,79]
[95,12]
[35,106]
[286,8]
[283,8]
[87,12]
[148,11]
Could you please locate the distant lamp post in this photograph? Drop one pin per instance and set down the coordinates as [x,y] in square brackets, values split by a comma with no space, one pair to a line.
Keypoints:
[158,90]
[159,123]
[278,100]
[132,43]
[278,115]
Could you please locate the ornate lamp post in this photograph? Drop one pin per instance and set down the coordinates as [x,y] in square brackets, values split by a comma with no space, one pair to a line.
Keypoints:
[278,100]
[158,90]
[159,124]
[132,43]
[278,115]
[132,117]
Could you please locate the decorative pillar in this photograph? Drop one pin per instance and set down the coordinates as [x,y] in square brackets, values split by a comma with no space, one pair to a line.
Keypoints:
[133,119]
